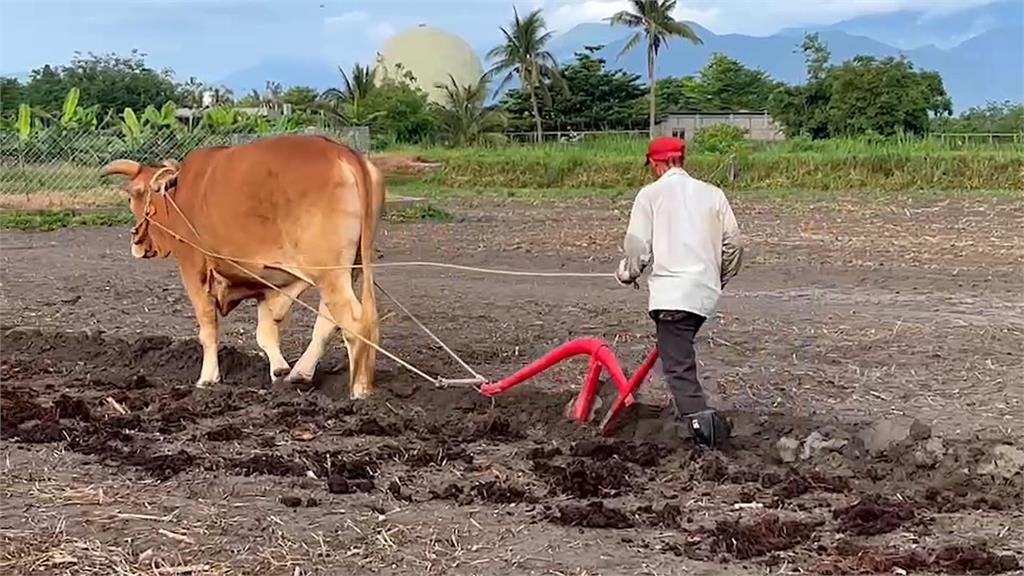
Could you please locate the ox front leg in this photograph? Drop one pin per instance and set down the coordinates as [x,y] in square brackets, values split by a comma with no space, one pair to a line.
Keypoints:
[206,315]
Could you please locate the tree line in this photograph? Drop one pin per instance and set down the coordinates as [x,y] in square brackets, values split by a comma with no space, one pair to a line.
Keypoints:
[862,96]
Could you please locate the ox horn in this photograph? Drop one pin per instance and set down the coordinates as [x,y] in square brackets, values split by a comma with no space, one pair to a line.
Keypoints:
[129,168]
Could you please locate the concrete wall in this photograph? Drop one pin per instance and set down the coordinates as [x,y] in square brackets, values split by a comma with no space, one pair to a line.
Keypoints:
[759,126]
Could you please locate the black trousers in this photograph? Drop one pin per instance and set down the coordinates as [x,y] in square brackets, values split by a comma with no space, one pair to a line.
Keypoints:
[676,330]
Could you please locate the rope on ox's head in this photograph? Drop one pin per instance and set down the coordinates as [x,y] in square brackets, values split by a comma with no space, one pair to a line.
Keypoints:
[165,178]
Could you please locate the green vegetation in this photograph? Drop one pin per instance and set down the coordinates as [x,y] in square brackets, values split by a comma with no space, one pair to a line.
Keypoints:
[48,220]
[834,165]
[862,96]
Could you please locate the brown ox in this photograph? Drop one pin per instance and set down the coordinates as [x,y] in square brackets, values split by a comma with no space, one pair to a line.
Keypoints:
[288,208]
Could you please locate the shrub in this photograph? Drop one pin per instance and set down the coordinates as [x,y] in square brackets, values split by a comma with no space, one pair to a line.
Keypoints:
[720,139]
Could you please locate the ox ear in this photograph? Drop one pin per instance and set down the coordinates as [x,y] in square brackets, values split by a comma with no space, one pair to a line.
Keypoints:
[129,168]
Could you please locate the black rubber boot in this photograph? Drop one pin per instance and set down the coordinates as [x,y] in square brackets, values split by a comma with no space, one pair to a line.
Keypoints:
[709,428]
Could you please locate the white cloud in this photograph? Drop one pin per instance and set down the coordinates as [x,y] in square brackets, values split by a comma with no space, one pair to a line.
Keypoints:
[373,29]
[348,18]
[562,16]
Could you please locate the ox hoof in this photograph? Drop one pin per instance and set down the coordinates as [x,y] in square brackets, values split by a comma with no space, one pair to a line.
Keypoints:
[205,384]
[280,372]
[360,394]
[298,378]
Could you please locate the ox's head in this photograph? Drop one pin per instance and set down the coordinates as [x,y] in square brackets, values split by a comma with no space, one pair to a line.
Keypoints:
[144,186]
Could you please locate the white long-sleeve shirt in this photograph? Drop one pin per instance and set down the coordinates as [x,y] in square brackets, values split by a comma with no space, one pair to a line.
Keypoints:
[685,231]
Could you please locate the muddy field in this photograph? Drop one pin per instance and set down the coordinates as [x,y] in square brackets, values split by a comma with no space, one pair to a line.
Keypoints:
[870,356]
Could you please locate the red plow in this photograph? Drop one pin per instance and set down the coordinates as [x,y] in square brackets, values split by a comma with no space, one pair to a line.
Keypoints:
[601,358]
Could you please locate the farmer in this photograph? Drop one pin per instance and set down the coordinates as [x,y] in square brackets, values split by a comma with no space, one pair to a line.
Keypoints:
[685,231]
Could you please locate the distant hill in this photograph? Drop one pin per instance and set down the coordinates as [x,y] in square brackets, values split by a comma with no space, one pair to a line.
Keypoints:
[909,29]
[285,70]
[986,67]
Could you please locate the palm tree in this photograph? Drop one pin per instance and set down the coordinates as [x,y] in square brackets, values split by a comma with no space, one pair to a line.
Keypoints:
[657,25]
[463,117]
[347,104]
[523,55]
[192,93]
[356,87]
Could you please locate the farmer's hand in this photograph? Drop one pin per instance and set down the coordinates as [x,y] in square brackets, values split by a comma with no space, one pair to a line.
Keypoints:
[624,276]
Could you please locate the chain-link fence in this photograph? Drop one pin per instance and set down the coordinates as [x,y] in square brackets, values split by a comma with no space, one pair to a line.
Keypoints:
[50,166]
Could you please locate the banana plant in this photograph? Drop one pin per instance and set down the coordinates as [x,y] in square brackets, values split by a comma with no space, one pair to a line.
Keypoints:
[162,119]
[70,106]
[131,127]
[220,119]
[74,116]
[24,123]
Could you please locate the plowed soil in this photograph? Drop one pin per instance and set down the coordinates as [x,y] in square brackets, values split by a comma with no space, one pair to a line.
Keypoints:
[848,322]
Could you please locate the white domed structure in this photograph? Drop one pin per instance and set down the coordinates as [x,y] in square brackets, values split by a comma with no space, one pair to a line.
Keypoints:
[430,55]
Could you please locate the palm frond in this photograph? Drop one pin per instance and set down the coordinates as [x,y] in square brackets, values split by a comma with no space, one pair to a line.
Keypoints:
[625,18]
[682,30]
[633,41]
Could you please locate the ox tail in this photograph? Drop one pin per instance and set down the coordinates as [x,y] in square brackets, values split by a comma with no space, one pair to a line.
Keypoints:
[373,203]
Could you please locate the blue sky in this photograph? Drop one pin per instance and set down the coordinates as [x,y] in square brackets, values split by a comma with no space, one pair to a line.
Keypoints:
[212,38]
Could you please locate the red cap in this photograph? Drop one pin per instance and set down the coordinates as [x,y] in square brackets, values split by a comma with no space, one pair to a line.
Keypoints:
[664,148]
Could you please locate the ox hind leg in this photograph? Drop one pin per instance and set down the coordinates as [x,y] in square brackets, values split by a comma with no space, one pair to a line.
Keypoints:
[272,312]
[359,324]
[323,329]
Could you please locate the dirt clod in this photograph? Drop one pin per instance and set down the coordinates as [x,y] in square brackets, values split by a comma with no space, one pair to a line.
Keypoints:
[349,477]
[796,484]
[492,428]
[501,492]
[586,478]
[950,559]
[643,454]
[226,433]
[767,534]
[666,516]
[592,515]
[438,453]
[270,465]
[543,452]
[396,490]
[163,466]
[874,515]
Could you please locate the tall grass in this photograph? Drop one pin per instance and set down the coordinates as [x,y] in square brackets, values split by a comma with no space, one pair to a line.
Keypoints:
[890,165]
